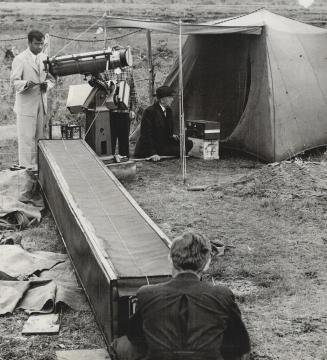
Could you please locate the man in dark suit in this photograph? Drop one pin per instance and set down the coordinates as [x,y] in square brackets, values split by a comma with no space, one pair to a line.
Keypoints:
[157,137]
[185,318]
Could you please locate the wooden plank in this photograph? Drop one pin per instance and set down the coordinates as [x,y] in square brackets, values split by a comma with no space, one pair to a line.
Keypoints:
[162,157]
[94,354]
[46,324]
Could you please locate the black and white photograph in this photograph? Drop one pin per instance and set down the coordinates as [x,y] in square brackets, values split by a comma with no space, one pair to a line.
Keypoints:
[163,180]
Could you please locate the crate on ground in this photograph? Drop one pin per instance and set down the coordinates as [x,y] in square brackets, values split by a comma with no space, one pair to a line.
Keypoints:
[205,136]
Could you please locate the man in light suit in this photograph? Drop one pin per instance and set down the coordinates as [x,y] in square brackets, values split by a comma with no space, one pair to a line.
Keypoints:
[31,84]
[185,318]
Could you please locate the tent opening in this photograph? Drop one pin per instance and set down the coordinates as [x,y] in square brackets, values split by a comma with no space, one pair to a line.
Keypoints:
[219,86]
[248,82]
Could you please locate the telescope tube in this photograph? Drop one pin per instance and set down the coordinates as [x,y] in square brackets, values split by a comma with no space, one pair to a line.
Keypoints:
[91,63]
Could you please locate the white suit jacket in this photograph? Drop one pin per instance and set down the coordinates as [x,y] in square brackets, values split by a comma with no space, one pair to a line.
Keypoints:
[24,69]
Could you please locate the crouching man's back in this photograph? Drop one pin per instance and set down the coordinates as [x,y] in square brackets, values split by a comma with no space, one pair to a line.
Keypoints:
[185,318]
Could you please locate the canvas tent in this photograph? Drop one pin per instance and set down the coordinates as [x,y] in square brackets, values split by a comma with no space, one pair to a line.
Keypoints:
[262,76]
[268,91]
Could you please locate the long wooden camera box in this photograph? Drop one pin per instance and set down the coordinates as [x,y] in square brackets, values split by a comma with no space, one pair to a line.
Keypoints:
[114,246]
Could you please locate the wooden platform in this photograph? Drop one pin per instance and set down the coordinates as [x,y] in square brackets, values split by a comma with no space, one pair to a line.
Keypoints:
[115,247]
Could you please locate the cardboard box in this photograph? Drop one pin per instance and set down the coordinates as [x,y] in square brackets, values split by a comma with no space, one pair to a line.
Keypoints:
[205,149]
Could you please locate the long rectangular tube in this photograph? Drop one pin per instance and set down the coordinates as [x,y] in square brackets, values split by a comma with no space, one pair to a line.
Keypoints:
[94,254]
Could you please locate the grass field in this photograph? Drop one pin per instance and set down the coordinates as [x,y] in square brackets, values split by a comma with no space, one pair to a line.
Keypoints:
[277,223]
[274,216]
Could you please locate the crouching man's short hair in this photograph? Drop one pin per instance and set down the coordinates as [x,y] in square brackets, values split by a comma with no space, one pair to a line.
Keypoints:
[190,251]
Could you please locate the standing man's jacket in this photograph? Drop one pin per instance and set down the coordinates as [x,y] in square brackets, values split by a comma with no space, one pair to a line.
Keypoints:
[156,131]
[187,319]
[25,69]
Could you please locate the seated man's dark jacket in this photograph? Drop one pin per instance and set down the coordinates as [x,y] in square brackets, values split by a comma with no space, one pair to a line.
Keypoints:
[186,318]
[156,131]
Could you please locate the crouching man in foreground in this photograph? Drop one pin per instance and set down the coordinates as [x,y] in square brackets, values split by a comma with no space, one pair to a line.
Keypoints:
[185,318]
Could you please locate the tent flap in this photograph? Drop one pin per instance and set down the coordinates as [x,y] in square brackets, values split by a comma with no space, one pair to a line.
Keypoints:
[174,27]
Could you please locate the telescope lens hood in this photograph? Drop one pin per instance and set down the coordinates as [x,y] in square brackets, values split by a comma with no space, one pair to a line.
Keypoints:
[127,59]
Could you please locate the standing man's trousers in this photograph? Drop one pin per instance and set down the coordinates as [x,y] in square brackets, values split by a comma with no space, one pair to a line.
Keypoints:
[119,126]
[29,130]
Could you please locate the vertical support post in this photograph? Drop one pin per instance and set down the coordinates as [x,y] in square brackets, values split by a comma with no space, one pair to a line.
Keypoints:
[150,63]
[46,51]
[181,107]
[105,41]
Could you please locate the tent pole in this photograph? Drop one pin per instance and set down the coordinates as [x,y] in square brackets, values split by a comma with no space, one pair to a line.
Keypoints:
[105,41]
[181,107]
[151,77]
[47,52]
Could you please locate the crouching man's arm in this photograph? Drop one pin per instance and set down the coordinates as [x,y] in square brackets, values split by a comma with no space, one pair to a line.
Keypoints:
[131,346]
[236,342]
[135,330]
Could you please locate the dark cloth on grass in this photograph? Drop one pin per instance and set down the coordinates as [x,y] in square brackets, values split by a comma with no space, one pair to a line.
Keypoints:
[157,134]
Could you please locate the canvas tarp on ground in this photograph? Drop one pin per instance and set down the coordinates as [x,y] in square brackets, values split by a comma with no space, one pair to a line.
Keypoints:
[268,91]
[37,281]
[20,200]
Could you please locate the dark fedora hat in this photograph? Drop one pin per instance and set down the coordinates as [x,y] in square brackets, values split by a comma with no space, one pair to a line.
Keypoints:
[164,91]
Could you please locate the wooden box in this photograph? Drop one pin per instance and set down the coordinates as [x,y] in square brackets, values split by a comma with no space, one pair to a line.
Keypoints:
[98,133]
[203,129]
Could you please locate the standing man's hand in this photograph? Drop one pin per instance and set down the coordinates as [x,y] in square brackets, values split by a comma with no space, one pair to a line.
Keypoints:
[44,86]
[175,137]
[132,115]
[29,84]
[154,158]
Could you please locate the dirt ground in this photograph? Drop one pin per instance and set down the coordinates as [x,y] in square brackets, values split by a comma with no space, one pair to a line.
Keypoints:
[273,216]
